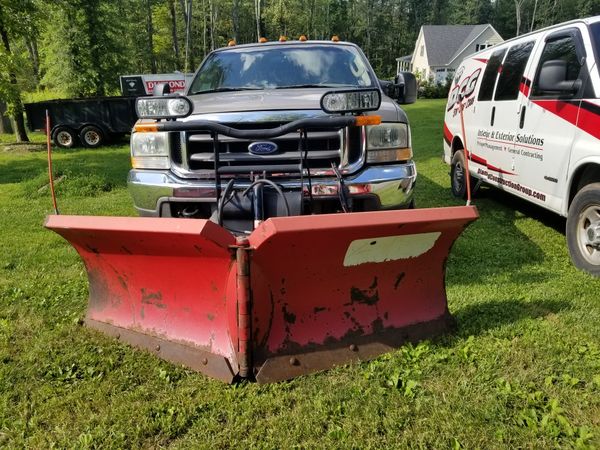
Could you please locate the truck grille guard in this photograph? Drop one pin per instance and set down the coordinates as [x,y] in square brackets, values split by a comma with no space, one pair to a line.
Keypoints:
[259,175]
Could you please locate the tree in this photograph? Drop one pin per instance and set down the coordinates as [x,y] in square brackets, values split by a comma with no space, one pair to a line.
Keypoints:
[9,88]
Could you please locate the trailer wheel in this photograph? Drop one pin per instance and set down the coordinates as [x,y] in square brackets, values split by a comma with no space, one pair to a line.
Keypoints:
[583,229]
[91,136]
[458,175]
[64,137]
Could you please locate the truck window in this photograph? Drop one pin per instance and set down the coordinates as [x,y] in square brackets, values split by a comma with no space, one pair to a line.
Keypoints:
[512,71]
[489,76]
[562,48]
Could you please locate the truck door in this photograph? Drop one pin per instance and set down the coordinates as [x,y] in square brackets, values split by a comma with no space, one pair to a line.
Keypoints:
[505,117]
[547,121]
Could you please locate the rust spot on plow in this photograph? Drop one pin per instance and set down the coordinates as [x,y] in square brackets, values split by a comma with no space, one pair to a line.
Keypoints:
[92,249]
[210,317]
[288,316]
[126,250]
[368,296]
[399,278]
[318,309]
[153,298]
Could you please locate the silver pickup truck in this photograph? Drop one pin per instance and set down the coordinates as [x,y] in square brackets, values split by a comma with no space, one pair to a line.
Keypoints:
[274,129]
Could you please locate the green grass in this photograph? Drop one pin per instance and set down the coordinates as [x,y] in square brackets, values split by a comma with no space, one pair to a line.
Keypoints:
[521,371]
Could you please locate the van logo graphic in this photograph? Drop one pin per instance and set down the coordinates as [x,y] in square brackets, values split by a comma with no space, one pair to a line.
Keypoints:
[262,148]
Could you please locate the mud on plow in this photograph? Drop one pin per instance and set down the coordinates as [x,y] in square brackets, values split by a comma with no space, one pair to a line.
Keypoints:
[291,296]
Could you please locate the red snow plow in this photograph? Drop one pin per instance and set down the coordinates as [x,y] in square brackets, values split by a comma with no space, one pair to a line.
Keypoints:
[298,289]
[298,295]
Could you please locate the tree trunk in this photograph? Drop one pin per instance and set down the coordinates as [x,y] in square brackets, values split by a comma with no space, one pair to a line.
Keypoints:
[257,13]
[236,20]
[150,30]
[5,125]
[15,102]
[174,33]
[32,48]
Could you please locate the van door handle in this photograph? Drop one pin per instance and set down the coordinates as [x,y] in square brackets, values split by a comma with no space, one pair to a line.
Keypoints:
[522,119]
[493,116]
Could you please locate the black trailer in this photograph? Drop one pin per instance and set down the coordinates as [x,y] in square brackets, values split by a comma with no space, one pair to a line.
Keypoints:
[91,121]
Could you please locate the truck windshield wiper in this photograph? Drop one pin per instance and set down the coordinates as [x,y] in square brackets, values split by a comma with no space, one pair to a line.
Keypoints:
[294,86]
[229,89]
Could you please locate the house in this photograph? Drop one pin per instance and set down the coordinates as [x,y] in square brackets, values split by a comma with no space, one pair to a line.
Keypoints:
[440,49]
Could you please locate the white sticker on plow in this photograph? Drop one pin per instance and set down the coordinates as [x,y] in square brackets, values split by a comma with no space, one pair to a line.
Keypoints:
[389,248]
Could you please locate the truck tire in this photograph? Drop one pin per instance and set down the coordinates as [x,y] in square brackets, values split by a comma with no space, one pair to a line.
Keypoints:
[458,179]
[64,137]
[91,136]
[583,229]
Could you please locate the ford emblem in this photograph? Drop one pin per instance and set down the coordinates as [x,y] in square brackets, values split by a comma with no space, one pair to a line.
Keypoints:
[262,148]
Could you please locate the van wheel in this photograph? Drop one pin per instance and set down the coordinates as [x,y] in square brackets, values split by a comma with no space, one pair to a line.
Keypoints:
[583,229]
[91,136]
[64,137]
[458,175]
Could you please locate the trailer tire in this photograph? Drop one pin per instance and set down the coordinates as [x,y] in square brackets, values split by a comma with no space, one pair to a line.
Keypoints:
[458,180]
[583,229]
[64,137]
[91,136]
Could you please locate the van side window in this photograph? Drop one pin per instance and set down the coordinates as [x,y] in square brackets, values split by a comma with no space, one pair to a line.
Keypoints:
[512,71]
[562,48]
[489,76]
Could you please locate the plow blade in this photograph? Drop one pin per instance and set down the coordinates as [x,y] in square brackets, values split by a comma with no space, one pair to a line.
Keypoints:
[298,295]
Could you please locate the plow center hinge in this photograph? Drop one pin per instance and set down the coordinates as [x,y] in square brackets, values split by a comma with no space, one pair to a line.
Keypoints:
[244,307]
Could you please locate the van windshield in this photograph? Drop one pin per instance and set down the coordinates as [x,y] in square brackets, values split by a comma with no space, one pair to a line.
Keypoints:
[284,67]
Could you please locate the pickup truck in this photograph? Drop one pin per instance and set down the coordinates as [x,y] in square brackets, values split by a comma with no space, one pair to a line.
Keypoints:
[273,129]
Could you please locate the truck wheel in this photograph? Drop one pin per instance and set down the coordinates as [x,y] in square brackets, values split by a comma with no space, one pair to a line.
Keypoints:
[91,136]
[583,229]
[458,175]
[64,137]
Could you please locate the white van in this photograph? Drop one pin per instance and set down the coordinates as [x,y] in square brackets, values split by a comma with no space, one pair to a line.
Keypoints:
[532,126]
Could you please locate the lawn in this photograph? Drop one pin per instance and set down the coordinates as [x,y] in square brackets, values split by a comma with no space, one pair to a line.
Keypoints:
[521,371]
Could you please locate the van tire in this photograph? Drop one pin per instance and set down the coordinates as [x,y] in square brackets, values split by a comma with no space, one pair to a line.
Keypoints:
[458,180]
[91,136]
[64,137]
[584,213]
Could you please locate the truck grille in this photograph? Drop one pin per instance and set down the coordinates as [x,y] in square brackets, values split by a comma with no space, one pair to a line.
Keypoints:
[325,147]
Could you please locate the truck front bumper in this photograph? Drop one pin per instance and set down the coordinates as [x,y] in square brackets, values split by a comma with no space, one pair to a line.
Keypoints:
[390,186]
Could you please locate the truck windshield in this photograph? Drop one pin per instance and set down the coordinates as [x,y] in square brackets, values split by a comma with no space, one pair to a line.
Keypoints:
[282,67]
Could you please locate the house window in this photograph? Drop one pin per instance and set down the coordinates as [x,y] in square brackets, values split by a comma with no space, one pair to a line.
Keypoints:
[422,50]
[480,47]
[440,70]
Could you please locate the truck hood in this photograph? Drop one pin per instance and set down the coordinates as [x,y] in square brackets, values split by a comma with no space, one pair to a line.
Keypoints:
[273,105]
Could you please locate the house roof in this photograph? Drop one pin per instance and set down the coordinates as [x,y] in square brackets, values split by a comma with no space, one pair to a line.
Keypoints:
[444,42]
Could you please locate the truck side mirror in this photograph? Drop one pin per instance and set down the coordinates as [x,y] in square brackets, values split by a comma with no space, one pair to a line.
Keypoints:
[553,78]
[161,89]
[405,85]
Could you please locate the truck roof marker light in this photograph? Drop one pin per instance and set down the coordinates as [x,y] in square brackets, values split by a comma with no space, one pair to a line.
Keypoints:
[282,38]
[231,43]
[302,38]
[335,38]
[262,40]
[361,121]
[145,127]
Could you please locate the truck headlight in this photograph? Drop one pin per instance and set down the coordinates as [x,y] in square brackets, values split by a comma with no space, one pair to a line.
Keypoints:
[388,142]
[150,150]
[163,107]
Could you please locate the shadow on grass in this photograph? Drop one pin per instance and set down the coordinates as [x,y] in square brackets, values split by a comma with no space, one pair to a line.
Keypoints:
[491,245]
[478,318]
